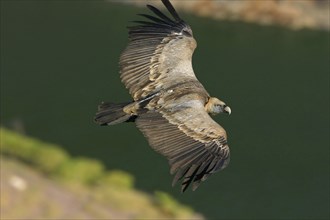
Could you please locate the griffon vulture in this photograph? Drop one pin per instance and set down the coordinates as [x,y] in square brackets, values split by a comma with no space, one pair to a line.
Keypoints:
[170,106]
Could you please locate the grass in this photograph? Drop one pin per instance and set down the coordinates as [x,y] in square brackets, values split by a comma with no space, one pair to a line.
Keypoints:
[61,186]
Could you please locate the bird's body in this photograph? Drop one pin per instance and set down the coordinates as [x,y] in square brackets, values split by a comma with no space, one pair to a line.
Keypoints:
[170,106]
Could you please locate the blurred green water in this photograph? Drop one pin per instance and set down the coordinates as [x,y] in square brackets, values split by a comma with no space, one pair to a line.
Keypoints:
[59,60]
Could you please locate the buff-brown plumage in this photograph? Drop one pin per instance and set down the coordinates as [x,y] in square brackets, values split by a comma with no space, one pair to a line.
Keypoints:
[170,106]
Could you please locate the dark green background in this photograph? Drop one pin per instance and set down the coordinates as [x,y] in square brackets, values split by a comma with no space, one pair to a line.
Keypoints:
[59,60]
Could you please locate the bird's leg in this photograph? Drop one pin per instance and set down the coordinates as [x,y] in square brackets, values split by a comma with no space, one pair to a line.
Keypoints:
[132,108]
[148,98]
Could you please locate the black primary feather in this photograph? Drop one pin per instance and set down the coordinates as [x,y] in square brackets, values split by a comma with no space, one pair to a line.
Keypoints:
[161,23]
[171,9]
[159,13]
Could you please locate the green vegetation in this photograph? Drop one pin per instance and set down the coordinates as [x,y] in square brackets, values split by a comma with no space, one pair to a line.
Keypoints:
[84,178]
[46,157]
[80,170]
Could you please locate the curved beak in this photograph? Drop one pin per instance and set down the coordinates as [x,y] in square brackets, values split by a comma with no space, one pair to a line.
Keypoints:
[228,110]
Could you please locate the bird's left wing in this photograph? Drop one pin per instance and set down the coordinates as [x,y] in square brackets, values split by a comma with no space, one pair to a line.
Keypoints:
[158,53]
[195,145]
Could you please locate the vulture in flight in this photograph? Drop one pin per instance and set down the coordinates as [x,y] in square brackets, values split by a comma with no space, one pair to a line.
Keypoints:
[169,105]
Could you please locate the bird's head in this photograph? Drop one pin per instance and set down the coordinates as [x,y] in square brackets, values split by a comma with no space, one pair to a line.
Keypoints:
[215,106]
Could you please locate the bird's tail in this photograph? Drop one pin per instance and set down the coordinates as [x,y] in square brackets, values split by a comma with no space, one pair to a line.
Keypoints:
[111,113]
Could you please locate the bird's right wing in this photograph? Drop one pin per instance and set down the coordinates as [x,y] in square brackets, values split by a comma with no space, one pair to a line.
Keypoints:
[158,54]
[195,145]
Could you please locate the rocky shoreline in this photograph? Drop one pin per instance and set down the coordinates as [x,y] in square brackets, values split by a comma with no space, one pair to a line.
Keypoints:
[294,14]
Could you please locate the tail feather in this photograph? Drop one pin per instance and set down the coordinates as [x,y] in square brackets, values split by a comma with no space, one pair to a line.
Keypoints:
[111,113]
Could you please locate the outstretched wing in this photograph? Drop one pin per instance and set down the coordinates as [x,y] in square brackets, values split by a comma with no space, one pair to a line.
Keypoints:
[158,54]
[195,145]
